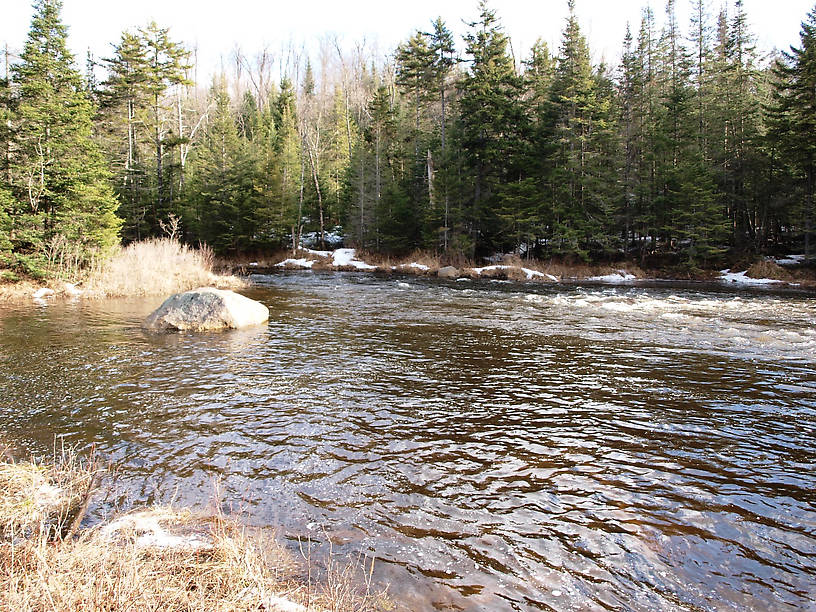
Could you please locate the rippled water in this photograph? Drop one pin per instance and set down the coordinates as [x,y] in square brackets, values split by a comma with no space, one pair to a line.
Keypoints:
[496,447]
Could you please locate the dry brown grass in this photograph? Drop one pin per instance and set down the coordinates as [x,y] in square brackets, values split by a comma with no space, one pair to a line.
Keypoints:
[39,499]
[159,559]
[769,269]
[16,291]
[98,572]
[581,271]
[159,266]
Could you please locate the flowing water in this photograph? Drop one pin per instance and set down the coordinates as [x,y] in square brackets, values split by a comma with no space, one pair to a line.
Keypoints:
[496,447]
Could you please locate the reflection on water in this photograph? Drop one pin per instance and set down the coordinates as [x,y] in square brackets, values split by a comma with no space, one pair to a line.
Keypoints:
[495,447]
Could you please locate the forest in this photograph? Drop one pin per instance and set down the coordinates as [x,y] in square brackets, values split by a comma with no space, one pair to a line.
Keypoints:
[697,147]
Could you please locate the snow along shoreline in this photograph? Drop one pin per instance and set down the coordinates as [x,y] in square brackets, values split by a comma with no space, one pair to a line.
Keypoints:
[347,260]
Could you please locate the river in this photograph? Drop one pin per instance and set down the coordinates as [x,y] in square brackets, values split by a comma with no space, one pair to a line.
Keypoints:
[494,446]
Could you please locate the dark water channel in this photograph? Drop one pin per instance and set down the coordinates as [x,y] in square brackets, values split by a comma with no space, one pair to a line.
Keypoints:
[496,447]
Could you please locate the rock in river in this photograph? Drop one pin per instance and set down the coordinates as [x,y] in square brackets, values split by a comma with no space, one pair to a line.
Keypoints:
[206,309]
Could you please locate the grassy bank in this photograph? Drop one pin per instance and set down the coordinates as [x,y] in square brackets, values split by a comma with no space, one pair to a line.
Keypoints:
[159,266]
[154,559]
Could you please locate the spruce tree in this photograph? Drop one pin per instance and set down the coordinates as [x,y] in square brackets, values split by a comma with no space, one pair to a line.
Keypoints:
[166,68]
[581,118]
[794,116]
[493,128]
[124,108]
[223,180]
[291,166]
[59,179]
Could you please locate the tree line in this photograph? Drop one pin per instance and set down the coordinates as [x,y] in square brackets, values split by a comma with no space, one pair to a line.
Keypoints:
[693,147]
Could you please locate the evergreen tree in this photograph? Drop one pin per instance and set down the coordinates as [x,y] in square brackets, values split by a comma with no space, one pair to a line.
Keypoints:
[493,128]
[59,180]
[166,68]
[124,108]
[794,116]
[582,117]
[288,217]
[223,180]
[438,219]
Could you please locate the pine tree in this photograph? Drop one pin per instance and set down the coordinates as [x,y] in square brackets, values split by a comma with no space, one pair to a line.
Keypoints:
[59,179]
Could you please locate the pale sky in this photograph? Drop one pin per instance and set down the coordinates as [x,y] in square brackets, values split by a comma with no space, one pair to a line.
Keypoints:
[215,27]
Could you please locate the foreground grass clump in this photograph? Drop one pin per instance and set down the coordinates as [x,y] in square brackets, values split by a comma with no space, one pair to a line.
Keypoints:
[156,267]
[157,559]
[43,499]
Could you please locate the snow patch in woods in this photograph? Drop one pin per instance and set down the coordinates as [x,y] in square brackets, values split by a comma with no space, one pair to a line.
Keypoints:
[790,260]
[332,238]
[741,278]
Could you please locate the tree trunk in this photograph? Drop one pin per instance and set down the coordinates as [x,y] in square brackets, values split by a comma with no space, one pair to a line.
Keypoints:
[313,164]
[159,153]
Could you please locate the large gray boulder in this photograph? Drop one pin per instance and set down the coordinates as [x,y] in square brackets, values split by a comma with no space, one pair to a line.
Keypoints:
[206,309]
[448,272]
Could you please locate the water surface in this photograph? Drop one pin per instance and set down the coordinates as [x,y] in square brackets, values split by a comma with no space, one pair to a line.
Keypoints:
[496,447]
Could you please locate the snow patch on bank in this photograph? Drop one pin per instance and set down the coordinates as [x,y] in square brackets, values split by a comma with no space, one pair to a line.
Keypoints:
[296,263]
[742,278]
[42,293]
[346,257]
[149,533]
[621,276]
[341,258]
[415,265]
[530,274]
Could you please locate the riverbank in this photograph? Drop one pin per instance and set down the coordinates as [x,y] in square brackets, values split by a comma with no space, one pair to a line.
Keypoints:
[787,271]
[159,558]
[162,267]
